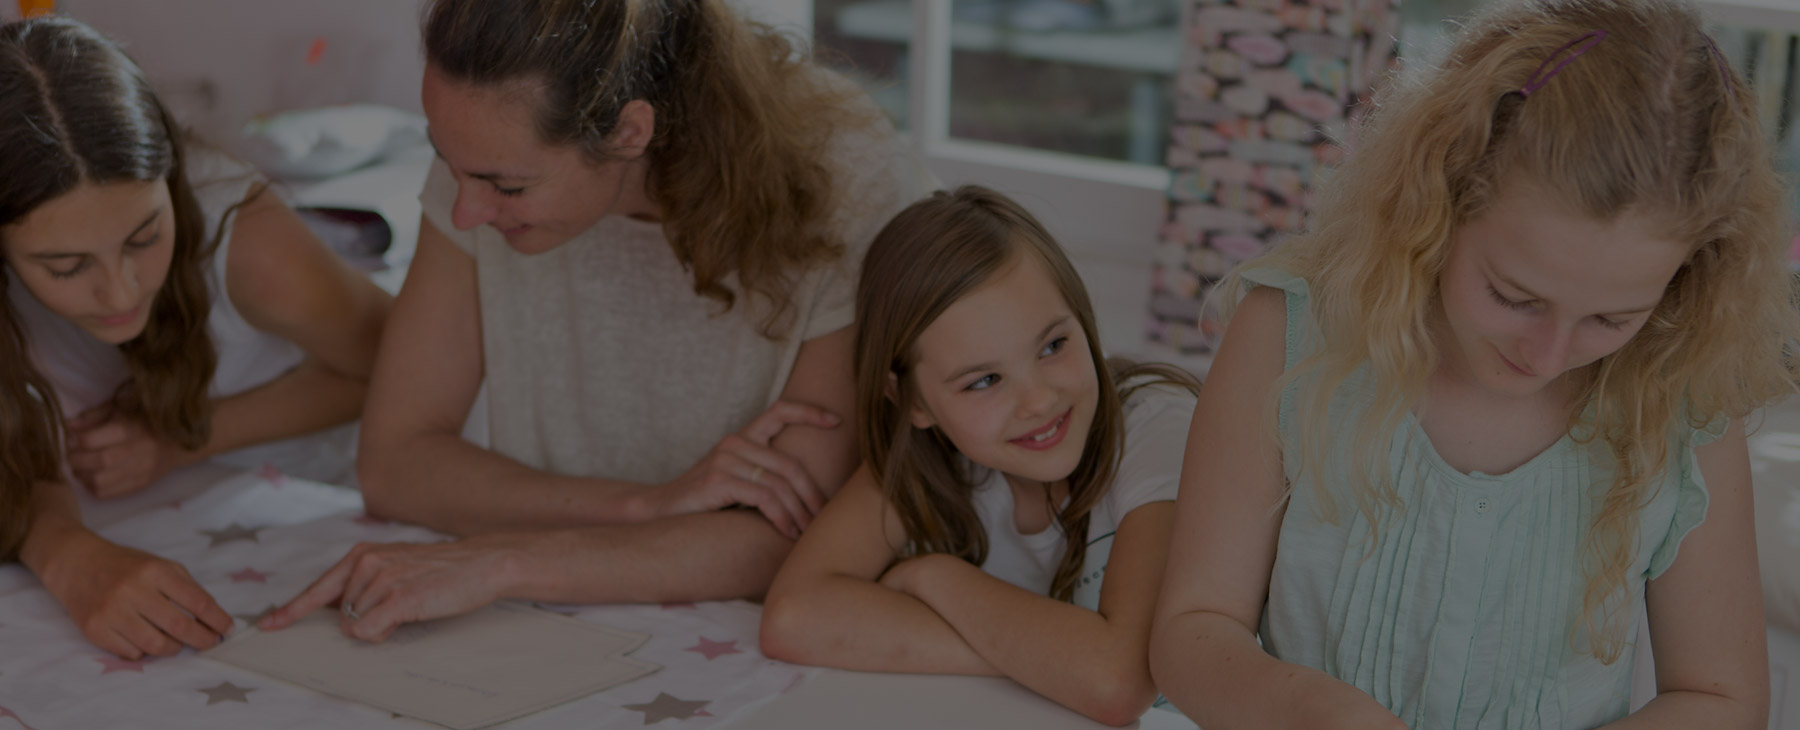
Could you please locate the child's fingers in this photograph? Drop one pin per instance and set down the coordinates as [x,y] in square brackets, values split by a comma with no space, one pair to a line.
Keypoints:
[178,625]
[111,640]
[89,418]
[147,637]
[104,436]
[190,597]
[86,463]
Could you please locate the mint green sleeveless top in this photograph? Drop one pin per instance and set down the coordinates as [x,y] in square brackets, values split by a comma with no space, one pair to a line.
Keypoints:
[1464,612]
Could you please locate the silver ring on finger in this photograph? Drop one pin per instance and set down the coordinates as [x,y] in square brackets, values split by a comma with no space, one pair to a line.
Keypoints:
[350,612]
[756,473]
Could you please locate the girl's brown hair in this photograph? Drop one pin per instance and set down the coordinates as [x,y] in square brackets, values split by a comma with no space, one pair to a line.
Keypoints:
[925,259]
[742,120]
[1650,121]
[75,110]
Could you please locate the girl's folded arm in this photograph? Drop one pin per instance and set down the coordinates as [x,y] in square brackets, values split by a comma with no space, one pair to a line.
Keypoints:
[1706,610]
[1091,662]
[828,607]
[1203,650]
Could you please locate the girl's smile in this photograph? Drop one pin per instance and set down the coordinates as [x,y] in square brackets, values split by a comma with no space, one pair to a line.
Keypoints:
[1048,437]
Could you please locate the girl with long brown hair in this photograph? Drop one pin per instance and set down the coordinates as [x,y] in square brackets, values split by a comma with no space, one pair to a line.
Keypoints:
[642,235]
[1013,507]
[1494,402]
[160,308]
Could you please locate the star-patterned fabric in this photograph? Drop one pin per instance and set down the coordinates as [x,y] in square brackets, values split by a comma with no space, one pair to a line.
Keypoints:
[254,540]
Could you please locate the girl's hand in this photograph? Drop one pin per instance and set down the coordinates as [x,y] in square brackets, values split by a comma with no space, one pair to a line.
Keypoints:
[380,586]
[114,454]
[744,469]
[130,602]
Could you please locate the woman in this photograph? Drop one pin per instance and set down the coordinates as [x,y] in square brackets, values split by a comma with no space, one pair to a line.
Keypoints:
[643,233]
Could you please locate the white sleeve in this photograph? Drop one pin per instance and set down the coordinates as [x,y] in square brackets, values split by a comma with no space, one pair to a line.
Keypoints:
[1156,430]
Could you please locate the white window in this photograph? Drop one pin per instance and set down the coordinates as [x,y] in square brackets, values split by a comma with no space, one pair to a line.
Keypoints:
[1064,105]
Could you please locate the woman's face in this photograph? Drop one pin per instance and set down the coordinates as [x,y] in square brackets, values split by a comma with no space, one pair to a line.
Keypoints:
[536,195]
[97,255]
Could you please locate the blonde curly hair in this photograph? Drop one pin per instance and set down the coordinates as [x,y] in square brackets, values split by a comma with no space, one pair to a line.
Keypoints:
[1651,121]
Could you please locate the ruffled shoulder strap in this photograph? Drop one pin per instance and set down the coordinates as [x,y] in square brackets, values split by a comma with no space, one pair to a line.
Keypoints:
[1691,496]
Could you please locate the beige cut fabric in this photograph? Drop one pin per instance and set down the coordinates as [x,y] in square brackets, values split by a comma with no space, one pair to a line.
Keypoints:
[601,361]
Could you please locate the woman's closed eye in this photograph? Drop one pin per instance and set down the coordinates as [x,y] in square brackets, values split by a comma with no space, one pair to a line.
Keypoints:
[509,192]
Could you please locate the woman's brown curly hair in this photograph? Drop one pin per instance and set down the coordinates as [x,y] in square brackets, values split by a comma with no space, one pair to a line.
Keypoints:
[743,117]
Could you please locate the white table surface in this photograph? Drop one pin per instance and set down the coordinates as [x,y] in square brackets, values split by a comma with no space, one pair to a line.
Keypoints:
[713,675]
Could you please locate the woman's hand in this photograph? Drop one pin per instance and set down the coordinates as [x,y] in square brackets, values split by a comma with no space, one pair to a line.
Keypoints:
[115,454]
[130,602]
[744,469]
[378,587]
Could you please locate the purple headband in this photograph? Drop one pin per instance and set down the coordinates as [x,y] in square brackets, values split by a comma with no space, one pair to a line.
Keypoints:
[1582,44]
[1724,66]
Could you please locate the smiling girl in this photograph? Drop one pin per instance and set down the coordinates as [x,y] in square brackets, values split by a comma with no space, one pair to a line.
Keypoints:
[160,308]
[1013,507]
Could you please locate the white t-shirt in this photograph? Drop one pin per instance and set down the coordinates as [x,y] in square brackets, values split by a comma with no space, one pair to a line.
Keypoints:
[1156,427]
[85,372]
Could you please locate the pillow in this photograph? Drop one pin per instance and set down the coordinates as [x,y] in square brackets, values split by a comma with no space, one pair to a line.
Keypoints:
[316,143]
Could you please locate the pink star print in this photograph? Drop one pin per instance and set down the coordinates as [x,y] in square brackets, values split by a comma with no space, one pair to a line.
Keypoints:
[5,713]
[271,474]
[250,575]
[714,649]
[115,664]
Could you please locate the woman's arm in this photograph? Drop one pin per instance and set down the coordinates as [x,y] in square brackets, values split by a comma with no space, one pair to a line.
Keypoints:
[1203,649]
[286,283]
[828,607]
[1706,610]
[414,465]
[126,601]
[1093,663]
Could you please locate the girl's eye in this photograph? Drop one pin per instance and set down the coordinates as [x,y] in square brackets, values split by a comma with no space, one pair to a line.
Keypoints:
[1054,347]
[71,272]
[984,383]
[145,243]
[1508,303]
[1611,324]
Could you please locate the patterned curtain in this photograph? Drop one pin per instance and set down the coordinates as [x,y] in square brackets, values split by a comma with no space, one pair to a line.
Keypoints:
[1263,100]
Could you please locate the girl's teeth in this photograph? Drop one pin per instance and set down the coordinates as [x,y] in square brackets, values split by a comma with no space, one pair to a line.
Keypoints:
[1047,434]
